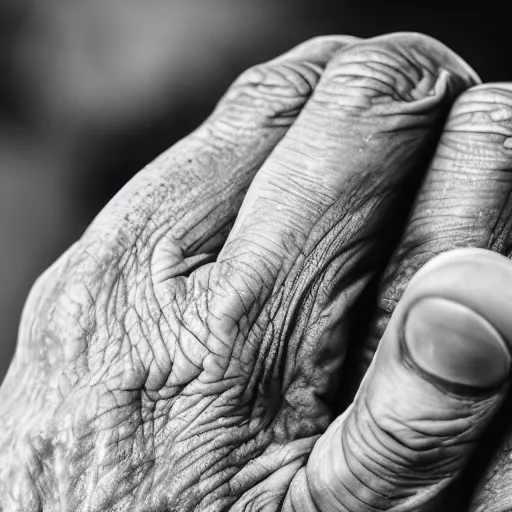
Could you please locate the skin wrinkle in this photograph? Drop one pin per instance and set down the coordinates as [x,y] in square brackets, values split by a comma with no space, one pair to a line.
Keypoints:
[464,156]
[391,92]
[374,463]
[162,201]
[377,475]
[310,290]
[364,484]
[123,240]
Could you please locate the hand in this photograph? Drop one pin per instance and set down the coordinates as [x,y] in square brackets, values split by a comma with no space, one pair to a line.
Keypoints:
[173,360]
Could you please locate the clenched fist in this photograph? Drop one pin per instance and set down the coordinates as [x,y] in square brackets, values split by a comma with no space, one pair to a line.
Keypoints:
[177,359]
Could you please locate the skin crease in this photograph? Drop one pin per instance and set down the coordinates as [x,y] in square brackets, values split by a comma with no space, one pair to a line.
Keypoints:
[463,202]
[178,359]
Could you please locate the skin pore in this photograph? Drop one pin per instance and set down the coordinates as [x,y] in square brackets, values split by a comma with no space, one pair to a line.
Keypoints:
[186,353]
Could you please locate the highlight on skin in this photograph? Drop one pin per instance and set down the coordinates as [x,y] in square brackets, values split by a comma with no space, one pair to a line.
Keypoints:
[185,353]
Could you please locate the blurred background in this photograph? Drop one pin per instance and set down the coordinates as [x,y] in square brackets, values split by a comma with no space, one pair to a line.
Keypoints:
[92,90]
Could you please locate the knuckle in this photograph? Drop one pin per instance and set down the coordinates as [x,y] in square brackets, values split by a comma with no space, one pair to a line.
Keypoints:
[477,138]
[275,90]
[484,110]
[389,70]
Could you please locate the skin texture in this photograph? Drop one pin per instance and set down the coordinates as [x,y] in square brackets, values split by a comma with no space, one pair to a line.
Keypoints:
[175,358]
[463,202]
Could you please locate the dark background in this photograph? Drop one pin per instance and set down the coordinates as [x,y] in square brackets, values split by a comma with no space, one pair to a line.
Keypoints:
[92,90]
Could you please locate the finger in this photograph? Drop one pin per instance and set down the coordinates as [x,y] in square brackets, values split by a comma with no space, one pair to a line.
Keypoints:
[463,202]
[183,203]
[307,235]
[439,375]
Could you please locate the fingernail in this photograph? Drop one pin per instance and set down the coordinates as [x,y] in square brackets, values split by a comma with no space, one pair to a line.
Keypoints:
[455,344]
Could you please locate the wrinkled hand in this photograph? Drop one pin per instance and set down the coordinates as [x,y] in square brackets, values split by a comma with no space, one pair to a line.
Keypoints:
[174,359]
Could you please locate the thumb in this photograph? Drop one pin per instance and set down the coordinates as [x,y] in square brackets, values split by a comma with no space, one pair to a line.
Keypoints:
[438,376]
